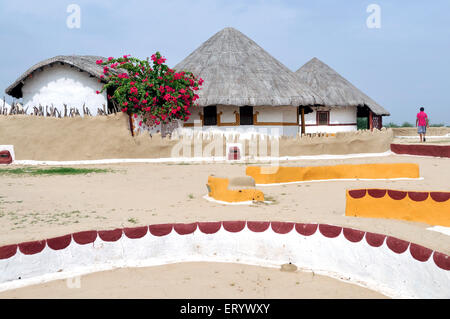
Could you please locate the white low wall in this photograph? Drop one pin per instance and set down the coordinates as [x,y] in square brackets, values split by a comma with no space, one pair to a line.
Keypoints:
[386,264]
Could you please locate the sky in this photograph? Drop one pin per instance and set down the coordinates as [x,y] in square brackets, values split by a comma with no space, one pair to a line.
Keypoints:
[399,54]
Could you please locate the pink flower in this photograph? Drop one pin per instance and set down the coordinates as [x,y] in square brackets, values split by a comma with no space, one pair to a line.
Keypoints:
[125,103]
[98,92]
[99,61]
[182,91]
[133,90]
[110,58]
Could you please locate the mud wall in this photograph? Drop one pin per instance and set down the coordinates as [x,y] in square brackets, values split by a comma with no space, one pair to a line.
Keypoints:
[108,137]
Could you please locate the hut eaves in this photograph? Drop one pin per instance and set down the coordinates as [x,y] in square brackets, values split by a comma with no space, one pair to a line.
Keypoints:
[334,89]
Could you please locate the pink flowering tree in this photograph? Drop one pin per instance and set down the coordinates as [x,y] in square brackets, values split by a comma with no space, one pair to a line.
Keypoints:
[150,89]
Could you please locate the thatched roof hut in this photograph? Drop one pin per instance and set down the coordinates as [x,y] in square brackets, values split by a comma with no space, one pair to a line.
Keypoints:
[84,63]
[334,89]
[239,72]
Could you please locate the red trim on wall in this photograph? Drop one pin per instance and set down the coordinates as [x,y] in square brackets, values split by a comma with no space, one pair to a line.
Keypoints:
[334,124]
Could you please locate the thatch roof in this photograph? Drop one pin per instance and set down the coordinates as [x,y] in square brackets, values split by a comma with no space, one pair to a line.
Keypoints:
[85,63]
[334,89]
[237,71]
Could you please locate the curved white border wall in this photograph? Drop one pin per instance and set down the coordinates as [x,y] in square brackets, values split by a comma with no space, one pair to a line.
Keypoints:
[202,159]
[386,264]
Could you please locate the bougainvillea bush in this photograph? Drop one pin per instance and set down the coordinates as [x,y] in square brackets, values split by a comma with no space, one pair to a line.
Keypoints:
[150,88]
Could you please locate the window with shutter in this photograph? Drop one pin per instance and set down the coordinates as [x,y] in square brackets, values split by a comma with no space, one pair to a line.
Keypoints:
[210,115]
[246,115]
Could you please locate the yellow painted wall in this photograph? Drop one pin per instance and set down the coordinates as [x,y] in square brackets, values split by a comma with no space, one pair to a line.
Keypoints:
[427,211]
[286,174]
[218,189]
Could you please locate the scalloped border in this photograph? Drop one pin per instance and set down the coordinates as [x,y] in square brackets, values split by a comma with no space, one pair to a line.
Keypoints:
[438,197]
[399,246]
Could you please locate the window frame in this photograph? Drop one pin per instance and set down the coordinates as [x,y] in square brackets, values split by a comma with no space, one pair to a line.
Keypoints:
[318,117]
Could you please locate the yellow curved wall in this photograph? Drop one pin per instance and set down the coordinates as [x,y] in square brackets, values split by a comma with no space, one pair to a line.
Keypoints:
[286,174]
[218,189]
[427,211]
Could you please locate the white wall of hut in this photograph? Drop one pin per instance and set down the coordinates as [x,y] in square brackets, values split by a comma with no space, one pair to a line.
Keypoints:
[282,119]
[61,84]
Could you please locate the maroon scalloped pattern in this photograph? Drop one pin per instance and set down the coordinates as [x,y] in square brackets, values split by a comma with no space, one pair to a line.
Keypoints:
[441,260]
[85,237]
[353,235]
[58,243]
[32,247]
[440,196]
[418,196]
[160,230]
[419,252]
[306,229]
[329,231]
[281,227]
[422,150]
[375,240]
[357,193]
[258,227]
[135,232]
[209,227]
[185,229]
[398,195]
[8,251]
[376,193]
[397,245]
[233,226]
[110,235]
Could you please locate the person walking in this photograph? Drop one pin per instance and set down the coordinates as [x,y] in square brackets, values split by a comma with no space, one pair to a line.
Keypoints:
[422,124]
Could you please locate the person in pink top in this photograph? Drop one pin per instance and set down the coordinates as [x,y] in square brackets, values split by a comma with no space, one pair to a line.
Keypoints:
[422,124]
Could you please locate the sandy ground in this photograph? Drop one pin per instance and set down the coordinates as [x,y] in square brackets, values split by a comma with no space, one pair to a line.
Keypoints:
[33,208]
[197,281]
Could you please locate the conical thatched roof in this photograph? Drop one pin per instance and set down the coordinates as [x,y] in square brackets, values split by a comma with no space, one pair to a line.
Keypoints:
[84,63]
[333,88]
[238,72]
